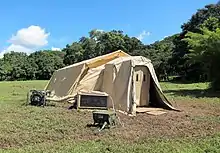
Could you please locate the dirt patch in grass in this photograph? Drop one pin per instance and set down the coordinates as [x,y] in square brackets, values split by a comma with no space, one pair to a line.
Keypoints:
[197,119]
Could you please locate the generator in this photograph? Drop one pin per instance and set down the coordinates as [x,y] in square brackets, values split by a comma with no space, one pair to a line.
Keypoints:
[104,118]
[37,97]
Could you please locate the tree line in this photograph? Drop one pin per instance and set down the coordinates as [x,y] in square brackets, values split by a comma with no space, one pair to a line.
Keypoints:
[38,65]
[41,64]
[192,54]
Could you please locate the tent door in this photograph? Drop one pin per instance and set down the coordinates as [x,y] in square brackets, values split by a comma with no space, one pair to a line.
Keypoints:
[142,85]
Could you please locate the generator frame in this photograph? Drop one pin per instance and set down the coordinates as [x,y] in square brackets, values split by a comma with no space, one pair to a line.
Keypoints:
[104,118]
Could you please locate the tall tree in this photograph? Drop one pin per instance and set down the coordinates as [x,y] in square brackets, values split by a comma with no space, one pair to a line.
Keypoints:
[74,53]
[13,66]
[205,48]
[193,71]
[160,53]
[89,47]
[99,43]
[47,62]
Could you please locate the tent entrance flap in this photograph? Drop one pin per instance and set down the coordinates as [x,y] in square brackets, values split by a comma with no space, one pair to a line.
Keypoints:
[141,79]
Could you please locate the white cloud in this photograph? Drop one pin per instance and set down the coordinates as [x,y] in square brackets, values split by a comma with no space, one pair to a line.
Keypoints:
[33,36]
[17,48]
[142,35]
[27,40]
[55,49]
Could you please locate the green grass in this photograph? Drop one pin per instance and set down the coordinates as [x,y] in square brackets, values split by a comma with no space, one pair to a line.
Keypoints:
[194,91]
[209,145]
[57,129]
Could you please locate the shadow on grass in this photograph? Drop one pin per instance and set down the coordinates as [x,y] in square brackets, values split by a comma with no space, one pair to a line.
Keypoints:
[48,104]
[197,93]
[93,125]
[182,81]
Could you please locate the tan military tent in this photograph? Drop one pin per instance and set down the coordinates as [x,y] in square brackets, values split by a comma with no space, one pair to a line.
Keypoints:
[130,81]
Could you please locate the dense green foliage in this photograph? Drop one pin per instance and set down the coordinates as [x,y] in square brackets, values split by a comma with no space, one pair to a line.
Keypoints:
[38,65]
[99,43]
[205,48]
[206,17]
[170,56]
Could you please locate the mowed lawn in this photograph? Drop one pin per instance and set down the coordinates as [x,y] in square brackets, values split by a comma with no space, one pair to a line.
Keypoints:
[57,129]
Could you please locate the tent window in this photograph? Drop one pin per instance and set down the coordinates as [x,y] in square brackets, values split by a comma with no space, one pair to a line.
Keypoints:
[144,78]
[137,77]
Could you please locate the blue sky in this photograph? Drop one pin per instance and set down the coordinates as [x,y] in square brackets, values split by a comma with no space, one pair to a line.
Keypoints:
[44,24]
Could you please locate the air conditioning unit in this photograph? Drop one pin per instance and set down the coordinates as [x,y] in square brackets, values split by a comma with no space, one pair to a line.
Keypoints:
[37,97]
[92,100]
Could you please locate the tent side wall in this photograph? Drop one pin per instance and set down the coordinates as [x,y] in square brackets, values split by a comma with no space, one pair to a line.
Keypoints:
[109,75]
[92,81]
[116,83]
[63,80]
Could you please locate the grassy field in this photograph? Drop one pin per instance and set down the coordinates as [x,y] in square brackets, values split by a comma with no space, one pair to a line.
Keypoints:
[58,129]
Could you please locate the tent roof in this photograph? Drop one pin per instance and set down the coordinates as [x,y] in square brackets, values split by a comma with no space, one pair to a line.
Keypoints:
[100,60]
[137,60]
